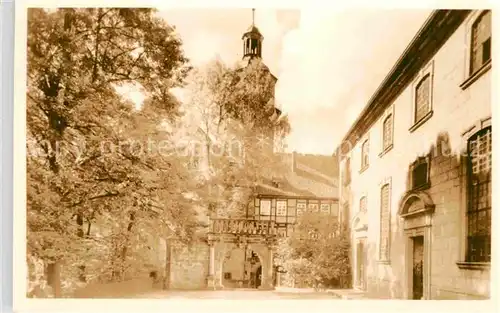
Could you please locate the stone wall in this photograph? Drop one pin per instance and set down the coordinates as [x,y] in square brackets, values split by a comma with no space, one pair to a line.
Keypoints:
[189,266]
[454,111]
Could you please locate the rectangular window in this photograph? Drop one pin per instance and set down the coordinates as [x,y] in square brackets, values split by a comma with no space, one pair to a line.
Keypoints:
[385,222]
[313,207]
[281,207]
[325,208]
[480,41]
[365,149]
[419,175]
[301,208]
[422,98]
[362,204]
[479,197]
[387,135]
[265,207]
[487,50]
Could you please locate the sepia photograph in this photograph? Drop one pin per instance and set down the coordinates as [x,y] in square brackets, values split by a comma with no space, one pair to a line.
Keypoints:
[258,153]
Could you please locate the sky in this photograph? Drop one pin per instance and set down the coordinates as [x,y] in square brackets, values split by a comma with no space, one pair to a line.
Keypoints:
[328,62]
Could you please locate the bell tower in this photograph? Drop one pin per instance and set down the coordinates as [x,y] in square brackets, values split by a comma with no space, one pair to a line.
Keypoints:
[252,41]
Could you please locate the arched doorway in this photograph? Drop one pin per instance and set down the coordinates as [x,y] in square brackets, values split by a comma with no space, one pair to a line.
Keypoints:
[242,268]
[258,277]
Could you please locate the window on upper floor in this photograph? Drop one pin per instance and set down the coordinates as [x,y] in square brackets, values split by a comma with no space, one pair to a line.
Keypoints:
[480,42]
[385,223]
[325,208]
[265,207]
[301,207]
[281,206]
[420,173]
[365,152]
[312,206]
[387,132]
[422,98]
[479,197]
[362,204]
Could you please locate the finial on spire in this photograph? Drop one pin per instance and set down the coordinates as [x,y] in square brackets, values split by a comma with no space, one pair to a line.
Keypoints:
[253,17]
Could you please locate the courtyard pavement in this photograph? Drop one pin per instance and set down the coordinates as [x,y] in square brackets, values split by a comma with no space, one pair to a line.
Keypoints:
[240,294]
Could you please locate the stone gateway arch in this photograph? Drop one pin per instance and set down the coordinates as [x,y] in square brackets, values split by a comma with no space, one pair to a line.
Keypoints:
[226,235]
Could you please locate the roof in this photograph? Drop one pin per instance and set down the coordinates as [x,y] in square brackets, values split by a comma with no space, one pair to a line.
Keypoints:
[253,30]
[313,176]
[440,25]
[245,62]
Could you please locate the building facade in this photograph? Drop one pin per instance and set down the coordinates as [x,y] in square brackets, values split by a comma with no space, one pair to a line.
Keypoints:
[415,182]
[239,250]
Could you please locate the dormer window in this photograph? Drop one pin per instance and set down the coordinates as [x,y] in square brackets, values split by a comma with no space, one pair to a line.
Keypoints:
[276,182]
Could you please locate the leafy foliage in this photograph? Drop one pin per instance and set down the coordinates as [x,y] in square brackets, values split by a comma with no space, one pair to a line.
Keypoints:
[236,128]
[97,180]
[317,252]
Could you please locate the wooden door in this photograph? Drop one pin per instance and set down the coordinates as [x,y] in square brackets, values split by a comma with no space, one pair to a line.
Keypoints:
[360,266]
[417,268]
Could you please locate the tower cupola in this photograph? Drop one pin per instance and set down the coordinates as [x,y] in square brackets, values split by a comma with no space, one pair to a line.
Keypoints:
[252,41]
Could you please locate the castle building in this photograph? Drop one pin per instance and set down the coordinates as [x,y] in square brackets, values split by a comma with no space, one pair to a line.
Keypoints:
[415,183]
[240,246]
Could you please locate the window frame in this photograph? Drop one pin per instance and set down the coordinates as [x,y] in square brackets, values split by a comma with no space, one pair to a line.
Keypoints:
[427,71]
[360,208]
[474,25]
[385,259]
[365,165]
[469,178]
[325,203]
[270,207]
[419,161]
[388,113]
[302,210]
[463,263]
[286,207]
[470,76]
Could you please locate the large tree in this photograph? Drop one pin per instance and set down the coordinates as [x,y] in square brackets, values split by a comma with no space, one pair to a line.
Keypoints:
[236,131]
[94,160]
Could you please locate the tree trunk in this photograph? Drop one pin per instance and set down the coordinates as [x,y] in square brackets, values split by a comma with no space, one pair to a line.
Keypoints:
[79,232]
[54,278]
[168,257]
[125,246]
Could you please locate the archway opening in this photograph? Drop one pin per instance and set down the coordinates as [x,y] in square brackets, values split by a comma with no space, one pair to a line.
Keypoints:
[242,268]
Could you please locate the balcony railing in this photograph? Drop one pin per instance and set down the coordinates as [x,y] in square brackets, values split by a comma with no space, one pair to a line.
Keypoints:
[242,227]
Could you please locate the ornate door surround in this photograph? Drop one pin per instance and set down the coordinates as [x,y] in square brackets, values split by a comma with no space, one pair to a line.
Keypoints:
[416,209]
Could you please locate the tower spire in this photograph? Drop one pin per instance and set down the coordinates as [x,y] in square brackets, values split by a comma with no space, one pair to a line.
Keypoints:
[252,41]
